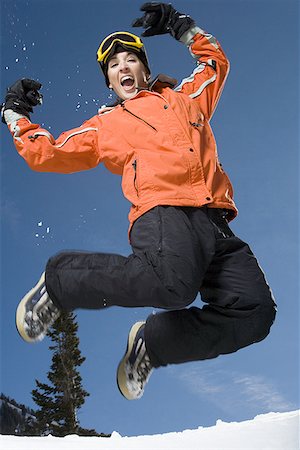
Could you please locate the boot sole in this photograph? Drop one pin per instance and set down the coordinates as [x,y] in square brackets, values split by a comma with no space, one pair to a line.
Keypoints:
[121,374]
[21,311]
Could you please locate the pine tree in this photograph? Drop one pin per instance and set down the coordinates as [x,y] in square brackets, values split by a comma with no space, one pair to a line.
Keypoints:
[60,400]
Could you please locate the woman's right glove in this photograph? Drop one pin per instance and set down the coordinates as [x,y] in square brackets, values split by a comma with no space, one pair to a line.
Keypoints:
[162,18]
[21,97]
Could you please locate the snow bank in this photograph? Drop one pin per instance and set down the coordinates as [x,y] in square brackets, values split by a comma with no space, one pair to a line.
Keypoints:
[273,431]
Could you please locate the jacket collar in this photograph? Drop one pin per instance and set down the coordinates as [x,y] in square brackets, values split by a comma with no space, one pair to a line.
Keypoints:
[161,81]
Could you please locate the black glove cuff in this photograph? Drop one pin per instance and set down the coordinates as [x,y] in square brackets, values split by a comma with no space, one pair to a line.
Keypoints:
[17,105]
[179,24]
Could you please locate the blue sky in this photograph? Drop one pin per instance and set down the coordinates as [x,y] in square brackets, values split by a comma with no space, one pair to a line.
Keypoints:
[256,126]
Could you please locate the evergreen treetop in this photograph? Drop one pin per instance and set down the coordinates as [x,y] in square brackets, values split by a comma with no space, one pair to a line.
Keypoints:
[60,399]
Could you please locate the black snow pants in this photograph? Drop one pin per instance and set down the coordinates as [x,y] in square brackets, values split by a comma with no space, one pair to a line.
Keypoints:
[177,252]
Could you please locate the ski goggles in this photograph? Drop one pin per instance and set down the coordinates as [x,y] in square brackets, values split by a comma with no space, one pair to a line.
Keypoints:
[124,38]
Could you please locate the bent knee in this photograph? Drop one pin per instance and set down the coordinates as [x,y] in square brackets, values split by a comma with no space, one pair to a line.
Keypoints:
[263,320]
[256,324]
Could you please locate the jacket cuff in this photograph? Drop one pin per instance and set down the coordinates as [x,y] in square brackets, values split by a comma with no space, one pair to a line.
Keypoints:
[187,37]
[11,116]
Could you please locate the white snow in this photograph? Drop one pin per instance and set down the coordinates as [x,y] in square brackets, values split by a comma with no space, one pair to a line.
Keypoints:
[273,431]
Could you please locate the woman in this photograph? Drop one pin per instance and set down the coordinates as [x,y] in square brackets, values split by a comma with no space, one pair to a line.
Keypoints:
[158,138]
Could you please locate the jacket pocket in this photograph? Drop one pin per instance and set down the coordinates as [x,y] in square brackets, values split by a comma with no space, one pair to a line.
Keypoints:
[130,180]
[135,175]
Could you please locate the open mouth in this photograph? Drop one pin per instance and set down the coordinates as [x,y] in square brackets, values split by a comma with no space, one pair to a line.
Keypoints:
[127,82]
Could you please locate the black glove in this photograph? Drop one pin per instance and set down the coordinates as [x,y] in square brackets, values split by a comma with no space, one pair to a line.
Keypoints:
[162,18]
[22,96]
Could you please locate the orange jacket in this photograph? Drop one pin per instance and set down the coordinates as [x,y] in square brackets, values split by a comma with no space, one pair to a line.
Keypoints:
[159,141]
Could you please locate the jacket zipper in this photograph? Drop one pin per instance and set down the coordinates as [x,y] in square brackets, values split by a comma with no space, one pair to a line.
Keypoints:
[137,117]
[134,165]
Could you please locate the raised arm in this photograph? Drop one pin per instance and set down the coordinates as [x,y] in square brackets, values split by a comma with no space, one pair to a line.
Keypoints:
[73,151]
[206,82]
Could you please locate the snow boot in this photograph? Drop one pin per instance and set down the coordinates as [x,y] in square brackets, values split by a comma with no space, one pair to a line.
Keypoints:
[36,313]
[135,367]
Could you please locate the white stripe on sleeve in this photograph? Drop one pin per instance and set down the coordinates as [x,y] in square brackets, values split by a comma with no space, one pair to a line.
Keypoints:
[191,78]
[203,86]
[198,69]
[48,135]
[84,130]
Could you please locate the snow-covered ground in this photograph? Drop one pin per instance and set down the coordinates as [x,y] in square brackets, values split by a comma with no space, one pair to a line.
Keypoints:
[273,431]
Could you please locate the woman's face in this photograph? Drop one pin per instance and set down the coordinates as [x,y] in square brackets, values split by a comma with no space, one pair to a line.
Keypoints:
[127,74]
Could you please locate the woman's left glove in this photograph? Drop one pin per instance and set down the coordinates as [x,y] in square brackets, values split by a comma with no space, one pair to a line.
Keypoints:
[21,97]
[162,18]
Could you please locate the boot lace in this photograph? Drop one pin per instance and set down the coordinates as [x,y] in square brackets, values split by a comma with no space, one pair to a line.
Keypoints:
[144,369]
